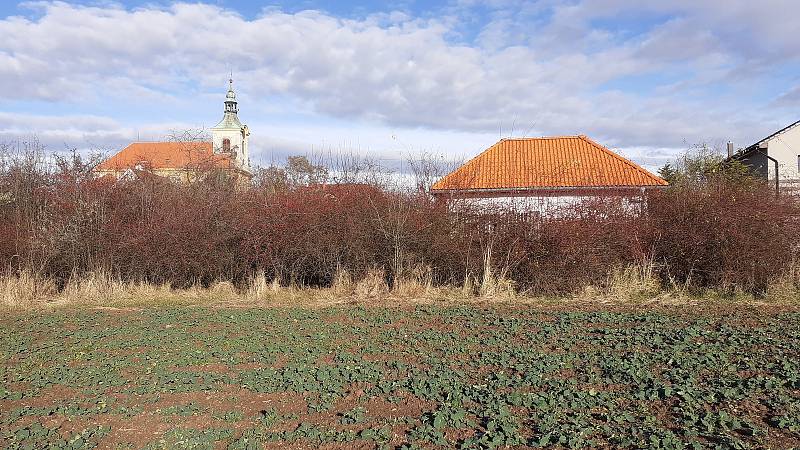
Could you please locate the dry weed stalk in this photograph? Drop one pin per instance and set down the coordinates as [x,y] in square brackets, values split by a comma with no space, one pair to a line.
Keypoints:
[258,287]
[25,290]
[372,285]
[633,282]
[495,285]
[342,283]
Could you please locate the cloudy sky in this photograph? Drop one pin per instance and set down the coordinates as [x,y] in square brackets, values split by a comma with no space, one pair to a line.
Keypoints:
[647,78]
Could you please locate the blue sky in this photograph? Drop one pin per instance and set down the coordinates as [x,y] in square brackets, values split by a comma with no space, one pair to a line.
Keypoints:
[393,79]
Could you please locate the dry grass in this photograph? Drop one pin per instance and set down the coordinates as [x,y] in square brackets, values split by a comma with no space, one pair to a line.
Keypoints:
[628,285]
[258,289]
[417,282]
[494,284]
[29,291]
[24,290]
[372,285]
[785,289]
[342,283]
[633,282]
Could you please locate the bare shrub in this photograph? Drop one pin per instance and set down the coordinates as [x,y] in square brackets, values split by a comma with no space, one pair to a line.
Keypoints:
[95,239]
[562,253]
[724,236]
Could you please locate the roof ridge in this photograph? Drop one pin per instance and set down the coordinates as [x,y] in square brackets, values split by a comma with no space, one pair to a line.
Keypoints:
[624,160]
[565,136]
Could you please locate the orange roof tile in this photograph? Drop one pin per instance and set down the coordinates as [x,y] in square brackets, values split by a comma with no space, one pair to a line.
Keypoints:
[547,163]
[166,155]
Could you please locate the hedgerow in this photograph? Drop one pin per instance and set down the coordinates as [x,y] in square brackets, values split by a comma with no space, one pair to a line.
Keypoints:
[63,222]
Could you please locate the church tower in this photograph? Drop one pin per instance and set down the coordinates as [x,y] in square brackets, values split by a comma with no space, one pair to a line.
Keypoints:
[229,136]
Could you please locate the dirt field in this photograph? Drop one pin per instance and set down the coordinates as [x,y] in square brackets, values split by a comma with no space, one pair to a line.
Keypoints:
[464,376]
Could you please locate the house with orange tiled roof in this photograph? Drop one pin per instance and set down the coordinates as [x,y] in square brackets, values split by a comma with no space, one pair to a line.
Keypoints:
[545,170]
[186,161]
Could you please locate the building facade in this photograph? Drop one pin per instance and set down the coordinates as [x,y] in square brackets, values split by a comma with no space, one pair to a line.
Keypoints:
[190,160]
[775,158]
[544,173]
[230,136]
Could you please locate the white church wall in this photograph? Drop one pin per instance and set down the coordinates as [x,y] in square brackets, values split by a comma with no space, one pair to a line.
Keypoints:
[235,136]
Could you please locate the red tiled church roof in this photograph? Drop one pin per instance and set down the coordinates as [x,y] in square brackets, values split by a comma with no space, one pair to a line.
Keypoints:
[547,163]
[166,155]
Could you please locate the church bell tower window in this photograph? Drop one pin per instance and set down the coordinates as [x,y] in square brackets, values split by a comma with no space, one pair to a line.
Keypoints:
[226,145]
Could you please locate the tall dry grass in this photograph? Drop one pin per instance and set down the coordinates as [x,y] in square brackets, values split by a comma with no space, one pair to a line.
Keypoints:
[786,289]
[625,285]
[633,282]
[25,290]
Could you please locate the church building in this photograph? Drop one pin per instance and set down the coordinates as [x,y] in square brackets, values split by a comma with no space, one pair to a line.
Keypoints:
[186,161]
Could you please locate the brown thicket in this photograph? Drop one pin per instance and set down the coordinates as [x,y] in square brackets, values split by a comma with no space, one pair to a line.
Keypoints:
[59,222]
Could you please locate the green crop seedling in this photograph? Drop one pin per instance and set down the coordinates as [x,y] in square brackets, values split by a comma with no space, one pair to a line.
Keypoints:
[424,377]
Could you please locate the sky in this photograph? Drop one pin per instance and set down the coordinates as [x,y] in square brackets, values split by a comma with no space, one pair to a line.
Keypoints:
[395,79]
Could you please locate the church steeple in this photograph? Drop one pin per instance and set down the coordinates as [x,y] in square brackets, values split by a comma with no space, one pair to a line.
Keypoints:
[231,106]
[230,119]
[229,135]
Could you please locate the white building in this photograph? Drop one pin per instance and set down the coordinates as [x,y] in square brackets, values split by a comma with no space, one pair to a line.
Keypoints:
[229,136]
[781,151]
[537,174]
[186,161]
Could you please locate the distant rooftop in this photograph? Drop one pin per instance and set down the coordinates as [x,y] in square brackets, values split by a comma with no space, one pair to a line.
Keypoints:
[547,162]
[166,155]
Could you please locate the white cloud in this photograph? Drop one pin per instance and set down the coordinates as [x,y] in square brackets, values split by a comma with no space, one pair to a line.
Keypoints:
[82,132]
[393,70]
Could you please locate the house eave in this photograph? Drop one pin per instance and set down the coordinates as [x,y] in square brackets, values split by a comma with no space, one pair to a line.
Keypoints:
[545,191]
